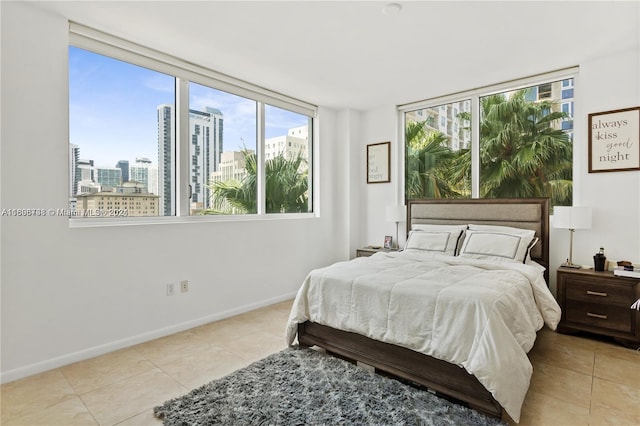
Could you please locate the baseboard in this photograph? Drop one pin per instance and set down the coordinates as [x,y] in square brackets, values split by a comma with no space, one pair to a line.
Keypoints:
[60,361]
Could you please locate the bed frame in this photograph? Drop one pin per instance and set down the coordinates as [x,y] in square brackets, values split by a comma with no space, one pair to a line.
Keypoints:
[439,376]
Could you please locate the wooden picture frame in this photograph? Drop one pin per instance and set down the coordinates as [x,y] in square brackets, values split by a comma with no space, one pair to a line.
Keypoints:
[379,162]
[614,140]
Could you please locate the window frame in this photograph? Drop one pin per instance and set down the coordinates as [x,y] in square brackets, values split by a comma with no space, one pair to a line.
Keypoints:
[101,43]
[474,96]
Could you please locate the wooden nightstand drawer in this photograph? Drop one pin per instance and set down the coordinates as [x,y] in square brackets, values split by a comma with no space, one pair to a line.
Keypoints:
[598,302]
[609,317]
[592,292]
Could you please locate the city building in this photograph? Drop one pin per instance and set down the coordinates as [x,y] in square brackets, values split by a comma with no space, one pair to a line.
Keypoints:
[129,200]
[111,176]
[144,171]
[166,159]
[74,155]
[294,143]
[123,165]
[205,130]
[446,119]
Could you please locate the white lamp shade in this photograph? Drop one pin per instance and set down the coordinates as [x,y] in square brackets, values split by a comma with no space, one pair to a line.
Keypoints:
[396,213]
[572,217]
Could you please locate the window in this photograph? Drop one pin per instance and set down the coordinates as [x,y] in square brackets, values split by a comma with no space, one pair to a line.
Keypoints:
[287,180]
[182,140]
[435,164]
[509,143]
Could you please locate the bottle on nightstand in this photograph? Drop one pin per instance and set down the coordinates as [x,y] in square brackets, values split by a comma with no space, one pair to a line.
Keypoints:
[599,260]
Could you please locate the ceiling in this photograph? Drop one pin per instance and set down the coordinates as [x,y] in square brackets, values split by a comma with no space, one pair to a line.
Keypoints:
[344,54]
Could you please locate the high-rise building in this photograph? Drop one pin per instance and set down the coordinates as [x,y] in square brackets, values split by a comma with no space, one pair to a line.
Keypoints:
[123,165]
[109,176]
[86,170]
[205,148]
[74,172]
[166,158]
[145,172]
[205,130]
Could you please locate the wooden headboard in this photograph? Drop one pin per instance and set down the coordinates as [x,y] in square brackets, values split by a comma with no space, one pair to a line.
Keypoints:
[526,213]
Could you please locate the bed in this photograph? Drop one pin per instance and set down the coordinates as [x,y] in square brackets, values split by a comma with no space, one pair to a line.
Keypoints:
[447,312]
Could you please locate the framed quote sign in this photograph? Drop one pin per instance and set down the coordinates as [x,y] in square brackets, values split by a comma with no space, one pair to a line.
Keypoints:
[614,140]
[378,162]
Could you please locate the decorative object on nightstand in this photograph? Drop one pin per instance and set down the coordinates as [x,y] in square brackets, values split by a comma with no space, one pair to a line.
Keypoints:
[598,302]
[599,260]
[396,214]
[571,218]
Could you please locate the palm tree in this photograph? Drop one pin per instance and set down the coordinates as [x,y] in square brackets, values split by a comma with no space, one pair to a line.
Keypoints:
[428,166]
[286,187]
[521,154]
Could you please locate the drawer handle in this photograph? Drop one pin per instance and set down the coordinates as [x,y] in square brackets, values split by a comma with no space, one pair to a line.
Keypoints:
[596,293]
[589,314]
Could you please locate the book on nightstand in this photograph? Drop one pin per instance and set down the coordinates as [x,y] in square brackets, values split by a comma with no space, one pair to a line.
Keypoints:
[621,272]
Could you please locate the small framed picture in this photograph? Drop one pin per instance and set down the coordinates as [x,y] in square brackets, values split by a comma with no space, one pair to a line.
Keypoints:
[387,241]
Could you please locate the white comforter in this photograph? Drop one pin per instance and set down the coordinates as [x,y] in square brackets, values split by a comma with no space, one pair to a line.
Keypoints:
[480,315]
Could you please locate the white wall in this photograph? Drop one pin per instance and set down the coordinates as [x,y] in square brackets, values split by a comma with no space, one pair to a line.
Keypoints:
[68,294]
[608,79]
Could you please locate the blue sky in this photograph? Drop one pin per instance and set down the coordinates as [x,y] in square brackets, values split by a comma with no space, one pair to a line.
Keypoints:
[112,110]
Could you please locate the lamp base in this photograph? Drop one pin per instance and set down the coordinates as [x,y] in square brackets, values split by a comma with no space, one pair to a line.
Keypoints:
[570,265]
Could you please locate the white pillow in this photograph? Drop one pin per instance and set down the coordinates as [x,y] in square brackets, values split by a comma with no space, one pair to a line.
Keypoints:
[496,245]
[504,229]
[435,238]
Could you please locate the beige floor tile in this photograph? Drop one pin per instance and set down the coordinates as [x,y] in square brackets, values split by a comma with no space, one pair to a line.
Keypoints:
[577,380]
[579,341]
[33,394]
[618,370]
[171,348]
[254,346]
[619,351]
[542,410]
[564,355]
[199,368]
[71,412]
[555,382]
[220,332]
[103,370]
[143,419]
[121,401]
[283,306]
[614,403]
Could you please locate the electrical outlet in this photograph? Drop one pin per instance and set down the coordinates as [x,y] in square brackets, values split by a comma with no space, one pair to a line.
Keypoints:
[184,286]
[171,289]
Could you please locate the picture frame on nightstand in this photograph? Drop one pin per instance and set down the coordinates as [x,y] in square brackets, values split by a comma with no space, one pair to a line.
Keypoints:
[388,241]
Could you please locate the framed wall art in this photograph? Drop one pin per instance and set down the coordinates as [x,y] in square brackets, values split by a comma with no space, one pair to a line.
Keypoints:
[378,162]
[614,140]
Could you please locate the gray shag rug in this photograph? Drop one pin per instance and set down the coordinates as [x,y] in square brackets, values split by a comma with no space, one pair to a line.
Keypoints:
[301,386]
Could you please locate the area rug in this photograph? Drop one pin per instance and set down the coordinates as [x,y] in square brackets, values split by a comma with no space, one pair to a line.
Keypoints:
[301,386]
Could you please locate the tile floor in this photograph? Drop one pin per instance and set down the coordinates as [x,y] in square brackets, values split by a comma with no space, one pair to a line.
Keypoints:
[576,380]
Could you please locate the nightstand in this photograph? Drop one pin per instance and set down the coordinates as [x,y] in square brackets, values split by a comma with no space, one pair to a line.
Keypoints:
[598,302]
[368,251]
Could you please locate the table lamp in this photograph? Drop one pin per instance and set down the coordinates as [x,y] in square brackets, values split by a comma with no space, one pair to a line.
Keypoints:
[396,214]
[571,218]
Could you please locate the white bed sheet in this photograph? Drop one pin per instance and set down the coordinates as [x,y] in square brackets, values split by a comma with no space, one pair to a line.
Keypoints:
[480,315]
